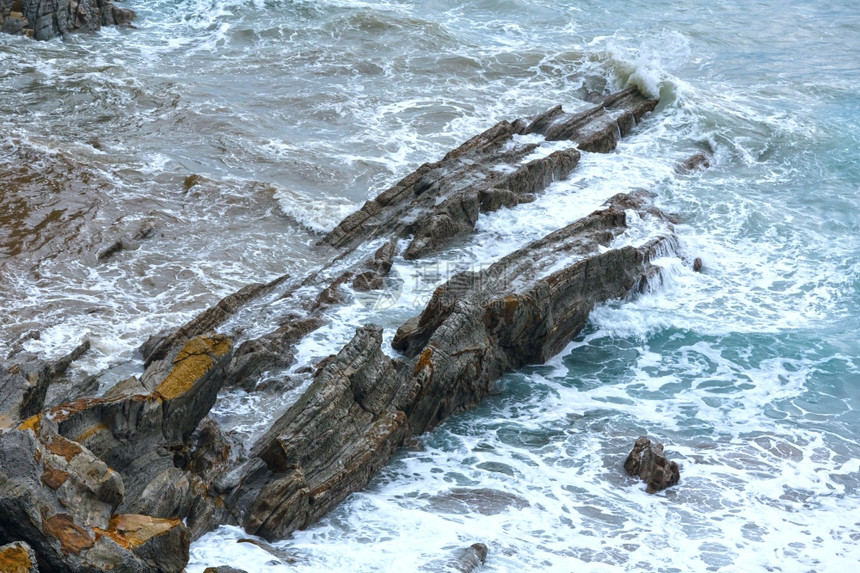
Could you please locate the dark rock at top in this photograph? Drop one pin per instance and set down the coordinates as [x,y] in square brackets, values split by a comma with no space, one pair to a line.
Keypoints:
[649,463]
[46,19]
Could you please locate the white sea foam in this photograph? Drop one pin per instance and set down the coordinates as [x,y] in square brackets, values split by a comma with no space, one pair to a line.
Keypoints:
[744,370]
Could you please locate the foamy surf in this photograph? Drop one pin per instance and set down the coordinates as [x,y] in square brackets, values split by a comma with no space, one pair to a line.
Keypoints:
[295,113]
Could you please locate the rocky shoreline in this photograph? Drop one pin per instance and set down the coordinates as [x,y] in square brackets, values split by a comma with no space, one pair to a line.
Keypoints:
[46,19]
[126,479]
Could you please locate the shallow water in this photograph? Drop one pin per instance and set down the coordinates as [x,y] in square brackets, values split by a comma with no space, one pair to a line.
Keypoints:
[294,113]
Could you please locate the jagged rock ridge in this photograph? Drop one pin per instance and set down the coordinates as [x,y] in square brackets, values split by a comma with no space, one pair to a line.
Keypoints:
[143,463]
[46,19]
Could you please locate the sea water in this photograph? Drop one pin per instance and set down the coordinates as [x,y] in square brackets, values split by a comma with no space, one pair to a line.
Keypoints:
[292,114]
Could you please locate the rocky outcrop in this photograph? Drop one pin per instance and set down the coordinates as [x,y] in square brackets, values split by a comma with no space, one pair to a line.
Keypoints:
[328,444]
[151,458]
[64,500]
[441,201]
[45,19]
[649,463]
[97,478]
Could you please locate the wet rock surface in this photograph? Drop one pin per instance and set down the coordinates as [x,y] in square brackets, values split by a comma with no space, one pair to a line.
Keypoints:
[46,19]
[647,461]
[130,477]
[466,560]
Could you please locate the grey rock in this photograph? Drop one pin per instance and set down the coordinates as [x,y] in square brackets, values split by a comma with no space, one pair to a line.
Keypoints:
[205,322]
[327,445]
[24,385]
[441,201]
[467,560]
[136,433]
[362,404]
[64,500]
[693,163]
[46,19]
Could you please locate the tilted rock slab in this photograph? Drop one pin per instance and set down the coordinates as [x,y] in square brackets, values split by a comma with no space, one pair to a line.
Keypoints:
[24,385]
[363,404]
[96,478]
[434,205]
[441,201]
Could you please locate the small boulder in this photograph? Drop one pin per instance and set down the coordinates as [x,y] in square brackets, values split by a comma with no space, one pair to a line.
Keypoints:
[648,461]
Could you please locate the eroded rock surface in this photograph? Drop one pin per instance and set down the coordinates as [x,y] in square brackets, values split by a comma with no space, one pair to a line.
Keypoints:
[64,500]
[120,473]
[648,461]
[46,19]
[363,404]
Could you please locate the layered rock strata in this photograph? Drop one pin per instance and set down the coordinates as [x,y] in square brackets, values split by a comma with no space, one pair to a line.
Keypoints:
[133,475]
[46,19]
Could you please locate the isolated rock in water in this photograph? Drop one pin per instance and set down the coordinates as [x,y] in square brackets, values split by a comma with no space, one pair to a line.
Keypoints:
[45,19]
[223,569]
[697,264]
[648,461]
[284,556]
[18,557]
[467,560]
[694,163]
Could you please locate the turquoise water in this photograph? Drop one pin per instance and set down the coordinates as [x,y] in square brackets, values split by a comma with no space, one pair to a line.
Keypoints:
[296,112]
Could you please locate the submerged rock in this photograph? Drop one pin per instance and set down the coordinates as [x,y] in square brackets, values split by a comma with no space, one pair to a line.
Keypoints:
[649,463]
[467,560]
[441,201]
[695,162]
